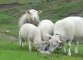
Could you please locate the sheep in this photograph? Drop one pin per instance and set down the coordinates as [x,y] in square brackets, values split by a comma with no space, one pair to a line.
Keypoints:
[31,16]
[67,30]
[46,28]
[29,32]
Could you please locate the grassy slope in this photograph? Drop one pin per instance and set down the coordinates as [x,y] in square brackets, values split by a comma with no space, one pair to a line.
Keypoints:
[11,51]
[18,1]
[54,11]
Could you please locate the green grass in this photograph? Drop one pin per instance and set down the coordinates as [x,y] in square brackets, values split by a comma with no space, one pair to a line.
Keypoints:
[56,10]
[11,51]
[9,18]
[19,1]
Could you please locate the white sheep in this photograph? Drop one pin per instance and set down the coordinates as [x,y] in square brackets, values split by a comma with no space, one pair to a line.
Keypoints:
[67,30]
[29,32]
[46,28]
[31,16]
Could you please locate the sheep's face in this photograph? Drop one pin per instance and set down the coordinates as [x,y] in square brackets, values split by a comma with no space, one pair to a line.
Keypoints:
[38,47]
[44,44]
[45,41]
[33,15]
[54,43]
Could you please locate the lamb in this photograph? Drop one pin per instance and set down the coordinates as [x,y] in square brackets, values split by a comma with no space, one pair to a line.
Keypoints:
[46,28]
[67,30]
[29,32]
[31,16]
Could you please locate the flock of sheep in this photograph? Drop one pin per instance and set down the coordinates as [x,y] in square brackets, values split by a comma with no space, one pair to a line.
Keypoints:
[45,33]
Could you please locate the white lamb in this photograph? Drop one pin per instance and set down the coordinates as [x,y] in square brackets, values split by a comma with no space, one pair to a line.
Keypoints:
[46,28]
[31,16]
[29,32]
[67,30]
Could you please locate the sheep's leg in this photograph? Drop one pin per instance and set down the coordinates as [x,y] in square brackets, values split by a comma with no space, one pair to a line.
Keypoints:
[76,47]
[69,46]
[30,46]
[21,43]
[64,49]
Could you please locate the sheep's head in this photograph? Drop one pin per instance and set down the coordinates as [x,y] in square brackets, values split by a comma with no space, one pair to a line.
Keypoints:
[44,44]
[54,43]
[38,46]
[45,41]
[32,15]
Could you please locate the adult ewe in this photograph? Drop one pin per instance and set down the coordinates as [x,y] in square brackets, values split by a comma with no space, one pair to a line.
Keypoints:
[67,30]
[31,16]
[29,32]
[46,28]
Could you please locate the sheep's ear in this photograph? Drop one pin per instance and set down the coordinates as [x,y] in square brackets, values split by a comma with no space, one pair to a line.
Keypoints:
[39,11]
[49,37]
[44,42]
[57,36]
[59,41]
[27,11]
[42,39]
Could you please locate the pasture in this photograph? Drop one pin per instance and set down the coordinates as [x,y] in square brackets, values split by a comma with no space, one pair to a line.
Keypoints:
[11,51]
[11,11]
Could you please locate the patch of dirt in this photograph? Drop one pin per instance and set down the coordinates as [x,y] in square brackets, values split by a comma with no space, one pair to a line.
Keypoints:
[9,6]
[8,37]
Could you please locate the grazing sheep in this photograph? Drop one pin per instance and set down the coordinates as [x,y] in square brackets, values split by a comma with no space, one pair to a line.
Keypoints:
[67,30]
[29,32]
[46,28]
[31,16]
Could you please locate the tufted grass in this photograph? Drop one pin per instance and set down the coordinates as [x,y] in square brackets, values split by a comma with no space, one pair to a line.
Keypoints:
[11,51]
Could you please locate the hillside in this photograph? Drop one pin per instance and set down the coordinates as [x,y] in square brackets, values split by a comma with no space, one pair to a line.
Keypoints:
[11,11]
